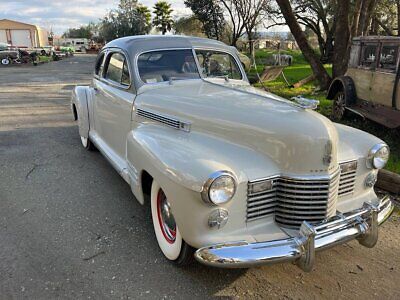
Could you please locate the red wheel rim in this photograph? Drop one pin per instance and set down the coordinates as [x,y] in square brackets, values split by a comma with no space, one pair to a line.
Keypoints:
[166,218]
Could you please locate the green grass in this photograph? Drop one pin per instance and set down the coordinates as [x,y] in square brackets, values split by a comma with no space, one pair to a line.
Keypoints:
[300,70]
[43,58]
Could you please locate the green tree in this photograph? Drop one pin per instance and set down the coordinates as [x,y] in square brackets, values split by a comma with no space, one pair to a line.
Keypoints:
[211,16]
[163,19]
[188,26]
[130,18]
[145,15]
[81,32]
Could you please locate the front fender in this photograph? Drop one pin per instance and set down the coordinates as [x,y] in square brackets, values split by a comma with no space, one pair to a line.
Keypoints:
[181,162]
[354,143]
[80,100]
[189,158]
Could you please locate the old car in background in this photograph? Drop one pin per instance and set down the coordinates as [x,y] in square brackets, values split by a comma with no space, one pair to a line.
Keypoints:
[237,177]
[370,86]
[13,55]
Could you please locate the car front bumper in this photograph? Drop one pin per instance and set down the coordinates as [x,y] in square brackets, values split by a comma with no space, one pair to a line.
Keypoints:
[361,224]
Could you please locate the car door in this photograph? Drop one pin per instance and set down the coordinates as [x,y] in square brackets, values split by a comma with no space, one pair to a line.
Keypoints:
[385,75]
[113,103]
[363,75]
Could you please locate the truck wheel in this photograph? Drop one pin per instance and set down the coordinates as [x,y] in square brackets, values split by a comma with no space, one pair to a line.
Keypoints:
[87,144]
[339,105]
[167,233]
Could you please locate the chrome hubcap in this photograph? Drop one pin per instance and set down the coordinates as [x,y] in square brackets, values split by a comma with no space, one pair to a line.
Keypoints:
[166,218]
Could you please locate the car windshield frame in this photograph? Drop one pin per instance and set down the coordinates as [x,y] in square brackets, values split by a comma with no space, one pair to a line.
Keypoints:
[137,69]
[193,50]
[220,51]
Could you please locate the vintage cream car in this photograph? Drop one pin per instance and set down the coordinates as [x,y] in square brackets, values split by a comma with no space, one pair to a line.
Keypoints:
[237,177]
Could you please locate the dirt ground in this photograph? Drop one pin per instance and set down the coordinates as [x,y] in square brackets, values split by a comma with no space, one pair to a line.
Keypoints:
[71,229]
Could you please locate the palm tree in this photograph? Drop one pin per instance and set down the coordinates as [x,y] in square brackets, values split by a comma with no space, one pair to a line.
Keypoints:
[163,19]
[145,17]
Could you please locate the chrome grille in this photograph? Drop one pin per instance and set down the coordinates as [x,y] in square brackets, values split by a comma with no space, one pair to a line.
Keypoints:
[163,119]
[292,201]
[348,172]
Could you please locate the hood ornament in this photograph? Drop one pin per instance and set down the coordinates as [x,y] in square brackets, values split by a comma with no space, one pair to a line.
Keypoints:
[305,102]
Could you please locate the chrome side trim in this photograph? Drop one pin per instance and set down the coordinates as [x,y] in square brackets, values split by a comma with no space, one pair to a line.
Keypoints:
[361,224]
[171,122]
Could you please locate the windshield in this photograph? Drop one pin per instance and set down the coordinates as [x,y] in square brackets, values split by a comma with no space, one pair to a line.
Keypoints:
[216,64]
[165,65]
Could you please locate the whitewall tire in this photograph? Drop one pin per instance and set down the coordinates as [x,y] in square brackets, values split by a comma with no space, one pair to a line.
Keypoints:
[167,232]
[87,143]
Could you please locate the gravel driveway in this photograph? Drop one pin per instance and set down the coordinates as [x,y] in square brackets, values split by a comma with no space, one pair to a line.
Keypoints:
[70,227]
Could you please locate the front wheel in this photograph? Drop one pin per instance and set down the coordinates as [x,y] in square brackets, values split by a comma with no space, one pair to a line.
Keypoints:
[339,105]
[5,61]
[87,143]
[166,230]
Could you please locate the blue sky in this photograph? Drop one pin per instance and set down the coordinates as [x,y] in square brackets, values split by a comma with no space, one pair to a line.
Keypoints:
[61,15]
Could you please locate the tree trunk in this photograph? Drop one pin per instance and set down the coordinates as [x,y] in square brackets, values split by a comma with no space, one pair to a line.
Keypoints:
[356,18]
[342,39]
[363,17]
[398,17]
[309,54]
[369,16]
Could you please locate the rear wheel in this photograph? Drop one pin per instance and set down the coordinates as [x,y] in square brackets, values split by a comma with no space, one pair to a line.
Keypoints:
[166,230]
[339,105]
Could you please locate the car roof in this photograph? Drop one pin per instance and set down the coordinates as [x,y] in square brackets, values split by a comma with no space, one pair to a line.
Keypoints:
[373,38]
[141,43]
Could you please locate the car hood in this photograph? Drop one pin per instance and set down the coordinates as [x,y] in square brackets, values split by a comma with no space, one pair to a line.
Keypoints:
[299,141]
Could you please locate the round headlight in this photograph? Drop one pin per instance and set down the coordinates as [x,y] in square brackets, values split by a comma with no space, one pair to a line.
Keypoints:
[219,188]
[378,156]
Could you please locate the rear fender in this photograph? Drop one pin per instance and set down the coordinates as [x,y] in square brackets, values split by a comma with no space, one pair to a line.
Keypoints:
[346,84]
[80,107]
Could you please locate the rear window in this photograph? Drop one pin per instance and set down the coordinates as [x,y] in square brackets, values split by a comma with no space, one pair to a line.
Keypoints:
[165,65]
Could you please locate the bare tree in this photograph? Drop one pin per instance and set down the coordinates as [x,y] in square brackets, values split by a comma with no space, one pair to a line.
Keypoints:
[236,23]
[309,54]
[319,17]
[252,13]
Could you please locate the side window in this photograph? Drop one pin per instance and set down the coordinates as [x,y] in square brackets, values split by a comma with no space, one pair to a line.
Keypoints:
[368,58]
[117,69]
[388,57]
[125,80]
[99,65]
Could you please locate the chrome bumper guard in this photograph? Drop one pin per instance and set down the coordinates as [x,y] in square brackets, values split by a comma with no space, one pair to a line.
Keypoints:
[361,224]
